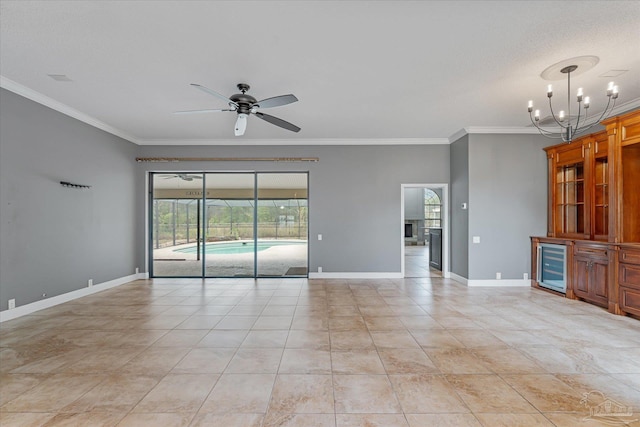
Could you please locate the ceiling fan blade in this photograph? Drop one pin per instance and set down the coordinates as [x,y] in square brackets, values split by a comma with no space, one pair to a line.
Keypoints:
[276,101]
[278,122]
[214,93]
[200,111]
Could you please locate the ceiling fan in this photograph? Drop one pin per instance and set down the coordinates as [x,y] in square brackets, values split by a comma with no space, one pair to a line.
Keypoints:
[182,176]
[245,104]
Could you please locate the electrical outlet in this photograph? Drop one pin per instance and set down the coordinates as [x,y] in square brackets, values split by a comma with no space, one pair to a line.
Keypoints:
[498,276]
[525,276]
[137,270]
[12,304]
[319,269]
[90,283]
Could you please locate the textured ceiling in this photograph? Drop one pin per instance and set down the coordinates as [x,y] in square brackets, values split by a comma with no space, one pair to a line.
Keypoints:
[364,71]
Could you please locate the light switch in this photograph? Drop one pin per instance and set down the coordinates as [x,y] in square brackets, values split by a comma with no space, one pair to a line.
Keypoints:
[476,239]
[319,236]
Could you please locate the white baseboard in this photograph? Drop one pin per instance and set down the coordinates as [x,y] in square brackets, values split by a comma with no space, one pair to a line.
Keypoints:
[23,310]
[458,279]
[362,275]
[499,283]
[490,282]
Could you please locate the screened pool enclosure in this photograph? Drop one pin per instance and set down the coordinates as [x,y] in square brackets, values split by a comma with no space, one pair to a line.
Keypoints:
[216,224]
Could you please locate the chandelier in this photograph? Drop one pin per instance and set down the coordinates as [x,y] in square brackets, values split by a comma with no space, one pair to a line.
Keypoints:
[568,125]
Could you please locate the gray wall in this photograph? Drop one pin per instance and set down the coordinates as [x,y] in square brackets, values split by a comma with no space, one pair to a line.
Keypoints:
[459,248]
[53,239]
[507,202]
[354,194]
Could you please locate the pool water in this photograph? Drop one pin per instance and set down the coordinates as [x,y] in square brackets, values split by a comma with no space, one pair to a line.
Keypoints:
[227,248]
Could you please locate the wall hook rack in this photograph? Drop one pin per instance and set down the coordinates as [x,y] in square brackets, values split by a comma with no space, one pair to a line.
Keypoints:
[71,185]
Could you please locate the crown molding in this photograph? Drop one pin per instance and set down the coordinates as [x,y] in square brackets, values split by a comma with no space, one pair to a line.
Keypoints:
[492,130]
[298,142]
[626,107]
[524,130]
[31,94]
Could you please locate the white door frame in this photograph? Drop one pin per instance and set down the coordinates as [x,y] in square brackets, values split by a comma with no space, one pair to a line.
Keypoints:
[445,224]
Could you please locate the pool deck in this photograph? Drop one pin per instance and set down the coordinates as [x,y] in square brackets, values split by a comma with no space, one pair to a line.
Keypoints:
[274,261]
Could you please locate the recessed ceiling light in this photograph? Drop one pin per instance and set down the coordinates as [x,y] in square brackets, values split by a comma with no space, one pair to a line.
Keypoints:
[60,77]
[613,73]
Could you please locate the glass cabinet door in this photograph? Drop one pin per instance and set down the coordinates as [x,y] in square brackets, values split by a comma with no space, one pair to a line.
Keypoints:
[570,192]
[601,198]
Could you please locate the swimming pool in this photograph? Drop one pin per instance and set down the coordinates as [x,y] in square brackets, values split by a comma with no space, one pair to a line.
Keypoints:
[227,248]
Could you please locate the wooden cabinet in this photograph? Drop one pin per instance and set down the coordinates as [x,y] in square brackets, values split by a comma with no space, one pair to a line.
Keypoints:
[624,139]
[591,272]
[629,279]
[594,210]
[579,188]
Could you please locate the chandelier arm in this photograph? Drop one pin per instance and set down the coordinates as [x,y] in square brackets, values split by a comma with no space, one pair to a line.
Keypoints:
[600,118]
[554,116]
[544,132]
[605,112]
[541,130]
[577,126]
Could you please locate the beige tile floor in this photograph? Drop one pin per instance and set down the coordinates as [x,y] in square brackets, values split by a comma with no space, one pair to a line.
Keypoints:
[297,352]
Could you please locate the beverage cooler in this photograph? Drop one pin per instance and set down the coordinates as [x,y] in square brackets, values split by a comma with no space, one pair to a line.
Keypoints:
[552,267]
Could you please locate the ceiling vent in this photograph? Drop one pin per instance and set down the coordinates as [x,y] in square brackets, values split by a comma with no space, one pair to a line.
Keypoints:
[60,77]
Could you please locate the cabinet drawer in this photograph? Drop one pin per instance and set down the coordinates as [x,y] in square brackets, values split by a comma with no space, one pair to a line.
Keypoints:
[629,275]
[591,251]
[629,256]
[630,300]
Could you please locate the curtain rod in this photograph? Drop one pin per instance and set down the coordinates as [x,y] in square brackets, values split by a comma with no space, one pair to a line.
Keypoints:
[225,159]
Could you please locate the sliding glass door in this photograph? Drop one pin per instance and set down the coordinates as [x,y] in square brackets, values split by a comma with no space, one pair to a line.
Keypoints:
[176,225]
[229,224]
[229,230]
[282,224]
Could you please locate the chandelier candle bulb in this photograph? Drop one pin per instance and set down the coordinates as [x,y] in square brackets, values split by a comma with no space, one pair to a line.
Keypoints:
[586,102]
[615,92]
[580,94]
[537,115]
[530,106]
[549,91]
[610,88]
[561,117]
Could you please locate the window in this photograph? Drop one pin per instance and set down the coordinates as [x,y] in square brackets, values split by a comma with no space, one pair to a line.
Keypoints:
[432,209]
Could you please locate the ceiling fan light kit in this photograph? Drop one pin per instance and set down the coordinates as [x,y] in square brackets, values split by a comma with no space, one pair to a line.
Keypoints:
[245,105]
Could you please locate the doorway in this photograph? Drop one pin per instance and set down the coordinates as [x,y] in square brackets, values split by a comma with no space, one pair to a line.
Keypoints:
[424,242]
[228,224]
